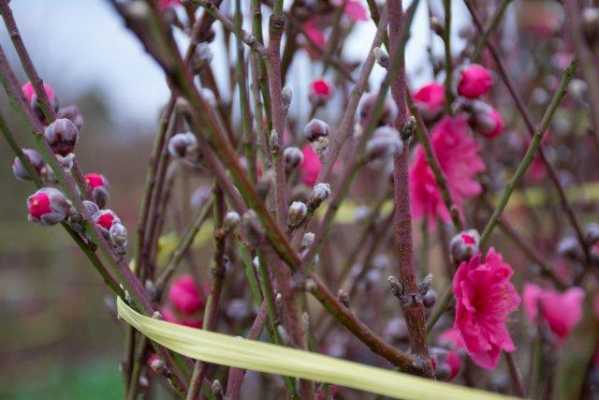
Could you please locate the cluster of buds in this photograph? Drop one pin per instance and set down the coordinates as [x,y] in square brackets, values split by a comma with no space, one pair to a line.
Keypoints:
[112,229]
[463,246]
[48,206]
[97,185]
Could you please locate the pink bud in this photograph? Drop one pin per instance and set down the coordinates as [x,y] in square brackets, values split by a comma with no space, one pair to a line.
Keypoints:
[94,180]
[464,245]
[164,4]
[321,90]
[29,93]
[186,295]
[486,120]
[104,219]
[429,100]
[48,206]
[310,168]
[98,186]
[475,80]
[62,136]
[155,363]
[36,161]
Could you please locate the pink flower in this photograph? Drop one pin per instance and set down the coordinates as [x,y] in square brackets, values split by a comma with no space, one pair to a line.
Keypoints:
[475,80]
[315,35]
[29,92]
[164,4]
[321,90]
[429,100]
[48,206]
[95,180]
[486,120]
[484,299]
[354,9]
[186,295]
[170,316]
[561,311]
[310,168]
[453,340]
[458,157]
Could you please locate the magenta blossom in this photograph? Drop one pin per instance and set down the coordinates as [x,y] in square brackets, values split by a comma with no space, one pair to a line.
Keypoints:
[320,90]
[484,299]
[429,100]
[475,80]
[561,311]
[310,168]
[164,4]
[354,9]
[458,157]
[29,92]
[185,295]
[315,35]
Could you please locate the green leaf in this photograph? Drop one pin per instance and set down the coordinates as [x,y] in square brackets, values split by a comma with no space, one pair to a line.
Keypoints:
[237,352]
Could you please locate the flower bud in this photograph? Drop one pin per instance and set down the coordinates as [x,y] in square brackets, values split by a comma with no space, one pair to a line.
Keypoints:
[381,57]
[320,193]
[253,229]
[231,220]
[590,24]
[474,81]
[265,183]
[31,96]
[48,206]
[202,56]
[320,91]
[293,157]
[286,97]
[316,129]
[485,120]
[62,136]
[569,247]
[311,166]
[592,233]
[430,100]
[118,236]
[73,114]
[297,212]
[308,239]
[464,245]
[385,143]
[155,363]
[182,145]
[104,219]
[90,207]
[430,298]
[97,185]
[366,110]
[36,161]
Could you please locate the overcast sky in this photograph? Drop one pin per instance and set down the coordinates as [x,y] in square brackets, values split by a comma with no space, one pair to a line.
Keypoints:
[80,45]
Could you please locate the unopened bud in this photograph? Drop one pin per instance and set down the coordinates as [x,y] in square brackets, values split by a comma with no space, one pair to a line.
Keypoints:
[98,187]
[265,183]
[118,236]
[385,143]
[308,240]
[321,91]
[297,212]
[231,221]
[217,388]
[316,129]
[569,247]
[48,206]
[293,157]
[366,110]
[182,145]
[31,96]
[590,24]
[485,119]
[464,245]
[592,233]
[320,192]
[104,219]
[36,161]
[430,298]
[155,363]
[381,57]
[286,97]
[201,57]
[73,114]
[253,229]
[62,135]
